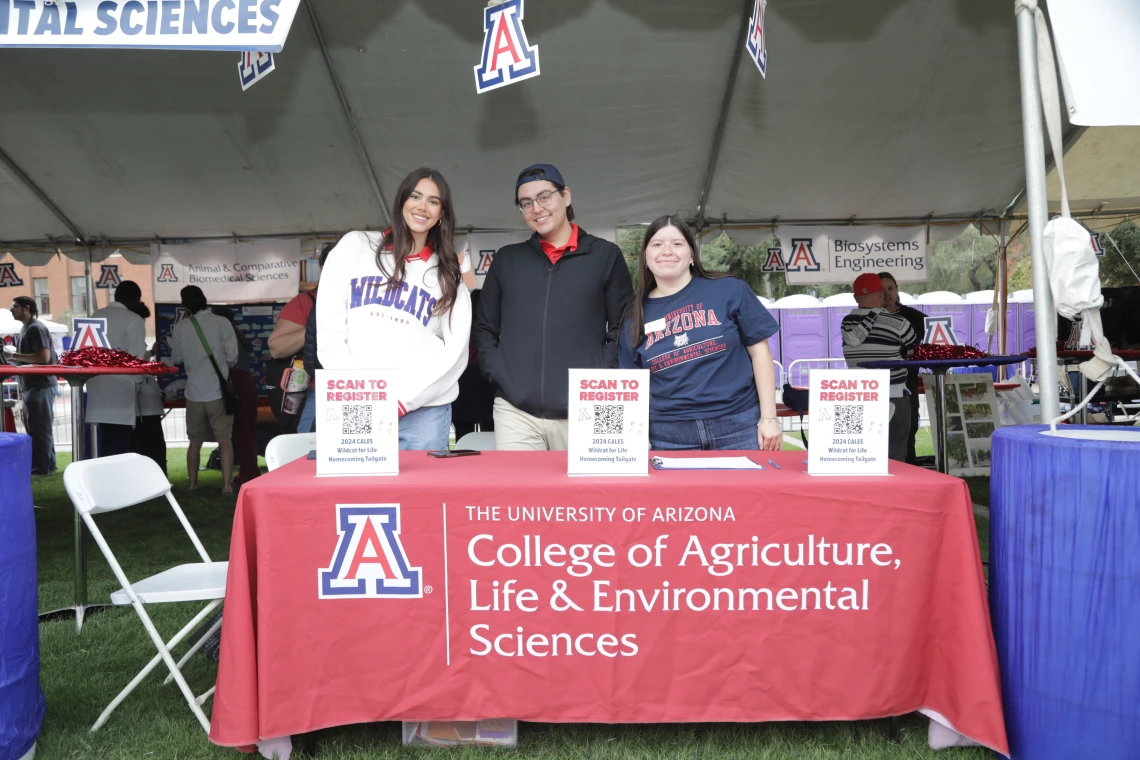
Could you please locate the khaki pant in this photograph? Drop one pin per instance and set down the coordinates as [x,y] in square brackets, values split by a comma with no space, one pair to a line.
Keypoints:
[515,430]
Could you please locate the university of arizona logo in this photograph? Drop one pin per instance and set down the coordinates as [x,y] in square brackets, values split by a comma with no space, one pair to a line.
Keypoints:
[485,259]
[507,56]
[1073,342]
[681,340]
[109,277]
[8,276]
[756,44]
[775,261]
[1095,238]
[89,332]
[252,66]
[369,561]
[166,274]
[803,258]
[940,331]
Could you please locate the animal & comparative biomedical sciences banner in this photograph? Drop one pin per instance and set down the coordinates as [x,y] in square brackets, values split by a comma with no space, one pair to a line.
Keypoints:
[259,270]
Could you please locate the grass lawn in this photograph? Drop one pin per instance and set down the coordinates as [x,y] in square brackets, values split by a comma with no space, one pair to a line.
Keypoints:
[80,674]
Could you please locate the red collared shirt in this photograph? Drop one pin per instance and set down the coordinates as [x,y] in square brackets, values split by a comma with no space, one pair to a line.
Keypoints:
[554,254]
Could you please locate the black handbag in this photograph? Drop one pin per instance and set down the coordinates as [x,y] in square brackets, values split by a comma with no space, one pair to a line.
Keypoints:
[229,395]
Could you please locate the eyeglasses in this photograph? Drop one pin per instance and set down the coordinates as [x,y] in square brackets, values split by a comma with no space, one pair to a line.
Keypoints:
[526,205]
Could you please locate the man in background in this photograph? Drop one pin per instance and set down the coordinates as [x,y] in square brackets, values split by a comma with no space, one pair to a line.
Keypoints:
[33,346]
[871,333]
[206,418]
[111,400]
[917,322]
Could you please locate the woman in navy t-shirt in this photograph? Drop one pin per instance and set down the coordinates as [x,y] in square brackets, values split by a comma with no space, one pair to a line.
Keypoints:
[703,336]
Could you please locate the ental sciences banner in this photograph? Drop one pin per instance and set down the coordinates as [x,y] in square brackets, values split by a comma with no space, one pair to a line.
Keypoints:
[260,25]
[227,272]
[837,255]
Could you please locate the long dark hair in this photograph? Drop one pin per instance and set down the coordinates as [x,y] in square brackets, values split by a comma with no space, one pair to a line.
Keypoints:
[399,239]
[646,282]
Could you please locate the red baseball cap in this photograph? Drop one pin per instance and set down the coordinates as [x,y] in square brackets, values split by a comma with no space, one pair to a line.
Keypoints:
[867,283]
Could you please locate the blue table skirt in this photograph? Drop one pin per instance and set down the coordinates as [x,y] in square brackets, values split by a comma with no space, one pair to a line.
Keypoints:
[1065,593]
[21,699]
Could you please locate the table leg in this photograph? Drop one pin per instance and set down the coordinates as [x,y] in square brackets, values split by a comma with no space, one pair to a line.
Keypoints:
[940,446]
[1084,413]
[78,454]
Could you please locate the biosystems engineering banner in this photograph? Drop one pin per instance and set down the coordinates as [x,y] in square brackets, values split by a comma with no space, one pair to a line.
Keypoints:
[260,25]
[227,272]
[837,255]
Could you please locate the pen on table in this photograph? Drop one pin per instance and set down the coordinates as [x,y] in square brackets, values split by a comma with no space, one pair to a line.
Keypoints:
[773,464]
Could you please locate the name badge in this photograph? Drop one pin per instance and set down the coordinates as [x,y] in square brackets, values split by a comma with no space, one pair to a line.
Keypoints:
[657,325]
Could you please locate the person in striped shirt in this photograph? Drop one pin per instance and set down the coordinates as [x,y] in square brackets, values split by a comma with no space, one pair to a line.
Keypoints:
[871,333]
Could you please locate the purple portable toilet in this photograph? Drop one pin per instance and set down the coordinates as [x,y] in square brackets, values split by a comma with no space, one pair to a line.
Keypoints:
[774,341]
[838,306]
[1022,303]
[943,303]
[906,299]
[980,302]
[803,334]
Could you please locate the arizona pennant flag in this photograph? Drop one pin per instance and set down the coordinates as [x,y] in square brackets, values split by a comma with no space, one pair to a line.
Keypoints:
[757,43]
[507,56]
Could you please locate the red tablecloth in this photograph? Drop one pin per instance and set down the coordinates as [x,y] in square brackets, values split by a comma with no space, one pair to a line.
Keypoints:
[911,631]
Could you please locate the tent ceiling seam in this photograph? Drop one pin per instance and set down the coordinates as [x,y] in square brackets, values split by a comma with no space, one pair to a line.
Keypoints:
[346,109]
[722,119]
[22,177]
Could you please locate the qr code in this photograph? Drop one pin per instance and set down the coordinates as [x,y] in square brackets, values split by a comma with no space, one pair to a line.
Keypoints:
[608,419]
[357,419]
[848,419]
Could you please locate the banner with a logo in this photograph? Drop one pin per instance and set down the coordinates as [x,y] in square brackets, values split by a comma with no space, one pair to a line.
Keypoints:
[756,43]
[608,422]
[357,422]
[259,25]
[507,55]
[850,415]
[227,272]
[837,255]
[89,332]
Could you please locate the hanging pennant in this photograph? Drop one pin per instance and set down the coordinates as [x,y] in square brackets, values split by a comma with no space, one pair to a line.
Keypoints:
[252,66]
[507,56]
[756,43]
[774,261]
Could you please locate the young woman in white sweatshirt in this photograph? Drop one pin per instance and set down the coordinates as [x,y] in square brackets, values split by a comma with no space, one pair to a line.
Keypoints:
[396,300]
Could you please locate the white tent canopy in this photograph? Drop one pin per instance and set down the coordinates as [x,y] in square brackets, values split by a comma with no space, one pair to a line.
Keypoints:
[883,109]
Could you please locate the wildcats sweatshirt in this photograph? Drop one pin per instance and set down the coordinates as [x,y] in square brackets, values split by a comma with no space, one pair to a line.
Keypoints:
[361,324]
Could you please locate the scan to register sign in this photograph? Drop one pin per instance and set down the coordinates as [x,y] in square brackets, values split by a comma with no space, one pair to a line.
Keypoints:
[850,413]
[608,422]
[357,422]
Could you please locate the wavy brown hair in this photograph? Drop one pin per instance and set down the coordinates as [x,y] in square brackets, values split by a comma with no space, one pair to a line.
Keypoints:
[646,282]
[399,239]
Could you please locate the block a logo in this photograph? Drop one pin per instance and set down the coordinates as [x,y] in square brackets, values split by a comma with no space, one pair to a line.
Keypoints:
[507,56]
[803,258]
[755,43]
[89,332]
[8,276]
[369,561]
[1095,238]
[485,259]
[774,261]
[166,274]
[940,331]
[252,66]
[109,277]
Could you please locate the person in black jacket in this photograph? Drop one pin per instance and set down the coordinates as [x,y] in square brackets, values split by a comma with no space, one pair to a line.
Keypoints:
[548,305]
[917,321]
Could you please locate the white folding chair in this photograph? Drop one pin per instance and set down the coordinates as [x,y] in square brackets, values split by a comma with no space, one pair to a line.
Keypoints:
[105,485]
[477,441]
[283,449]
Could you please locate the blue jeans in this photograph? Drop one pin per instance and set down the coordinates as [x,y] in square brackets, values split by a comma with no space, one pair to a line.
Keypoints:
[426,429]
[39,409]
[308,413]
[732,432]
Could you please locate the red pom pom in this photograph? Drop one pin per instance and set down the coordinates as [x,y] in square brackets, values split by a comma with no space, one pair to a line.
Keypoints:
[110,357]
[929,351]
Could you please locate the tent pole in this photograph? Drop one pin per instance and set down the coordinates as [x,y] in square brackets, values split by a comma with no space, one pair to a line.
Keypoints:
[1038,212]
[89,284]
[1002,288]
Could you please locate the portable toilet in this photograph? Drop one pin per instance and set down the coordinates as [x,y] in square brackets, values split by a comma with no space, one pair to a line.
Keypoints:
[980,302]
[838,306]
[803,334]
[774,341]
[1022,303]
[906,299]
[943,303]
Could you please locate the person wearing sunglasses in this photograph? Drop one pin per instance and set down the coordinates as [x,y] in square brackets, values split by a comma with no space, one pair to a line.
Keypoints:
[548,305]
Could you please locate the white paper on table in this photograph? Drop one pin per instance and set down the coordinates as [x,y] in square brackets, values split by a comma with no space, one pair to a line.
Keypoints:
[705,463]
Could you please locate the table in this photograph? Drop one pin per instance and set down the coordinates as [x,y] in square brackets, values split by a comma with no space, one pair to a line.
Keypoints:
[431,645]
[1065,524]
[939,368]
[76,377]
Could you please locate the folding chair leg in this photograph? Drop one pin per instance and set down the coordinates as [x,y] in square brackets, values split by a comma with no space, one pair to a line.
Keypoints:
[197,645]
[202,699]
[163,654]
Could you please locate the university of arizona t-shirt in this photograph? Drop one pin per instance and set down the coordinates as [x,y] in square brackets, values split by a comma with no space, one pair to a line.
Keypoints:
[695,348]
